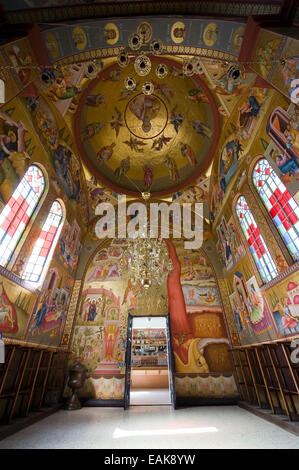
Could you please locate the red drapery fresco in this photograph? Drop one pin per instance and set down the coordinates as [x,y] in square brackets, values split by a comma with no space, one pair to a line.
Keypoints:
[180,327]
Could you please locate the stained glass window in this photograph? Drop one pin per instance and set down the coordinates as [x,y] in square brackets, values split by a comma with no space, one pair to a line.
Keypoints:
[45,244]
[281,206]
[17,212]
[256,242]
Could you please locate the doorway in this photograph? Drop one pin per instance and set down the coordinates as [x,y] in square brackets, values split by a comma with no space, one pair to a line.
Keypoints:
[149,372]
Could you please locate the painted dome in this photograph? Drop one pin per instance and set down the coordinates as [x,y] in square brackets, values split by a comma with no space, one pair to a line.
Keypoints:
[158,142]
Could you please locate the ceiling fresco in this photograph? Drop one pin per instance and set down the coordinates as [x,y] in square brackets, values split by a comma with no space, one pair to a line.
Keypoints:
[158,142]
[224,36]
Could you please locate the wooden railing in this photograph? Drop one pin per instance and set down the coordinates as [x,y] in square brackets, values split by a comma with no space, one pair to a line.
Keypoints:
[268,376]
[31,378]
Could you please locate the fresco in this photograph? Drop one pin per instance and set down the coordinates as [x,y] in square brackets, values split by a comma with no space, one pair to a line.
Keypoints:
[283,130]
[65,163]
[249,308]
[69,245]
[11,88]
[17,304]
[287,69]
[197,32]
[154,125]
[237,148]
[283,301]
[206,387]
[22,59]
[14,157]
[99,336]
[229,246]
[207,349]
[48,321]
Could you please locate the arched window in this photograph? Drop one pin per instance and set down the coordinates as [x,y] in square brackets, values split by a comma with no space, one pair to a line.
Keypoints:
[256,242]
[278,201]
[17,212]
[44,245]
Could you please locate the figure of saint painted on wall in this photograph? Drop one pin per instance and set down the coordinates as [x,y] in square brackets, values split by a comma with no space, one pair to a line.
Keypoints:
[249,111]
[176,119]
[8,315]
[13,157]
[62,164]
[201,128]
[229,162]
[148,175]
[91,130]
[105,153]
[62,87]
[92,311]
[172,169]
[110,341]
[145,108]
[188,153]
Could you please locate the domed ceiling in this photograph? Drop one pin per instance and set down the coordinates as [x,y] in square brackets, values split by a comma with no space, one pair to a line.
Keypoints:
[158,142]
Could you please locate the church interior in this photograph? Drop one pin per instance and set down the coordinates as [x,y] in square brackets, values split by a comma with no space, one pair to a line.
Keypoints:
[153,341]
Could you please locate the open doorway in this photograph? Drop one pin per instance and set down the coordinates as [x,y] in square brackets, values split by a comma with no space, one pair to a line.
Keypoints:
[149,382]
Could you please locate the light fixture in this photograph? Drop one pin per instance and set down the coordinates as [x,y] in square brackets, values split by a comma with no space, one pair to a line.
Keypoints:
[135,41]
[142,65]
[147,259]
[130,83]
[148,88]
[91,69]
[161,70]
[157,46]
[123,59]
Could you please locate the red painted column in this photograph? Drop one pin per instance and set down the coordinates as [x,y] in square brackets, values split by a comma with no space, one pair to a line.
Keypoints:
[181,331]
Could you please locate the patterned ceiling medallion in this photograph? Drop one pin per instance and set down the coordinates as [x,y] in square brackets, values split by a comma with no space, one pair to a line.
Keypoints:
[130,83]
[148,88]
[135,41]
[142,65]
[161,70]
[123,59]
[157,47]
[91,69]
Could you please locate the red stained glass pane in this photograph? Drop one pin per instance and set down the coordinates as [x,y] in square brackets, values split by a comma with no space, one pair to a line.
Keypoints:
[287,224]
[293,218]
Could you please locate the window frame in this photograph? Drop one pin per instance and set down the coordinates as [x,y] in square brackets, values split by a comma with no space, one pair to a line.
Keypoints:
[265,209]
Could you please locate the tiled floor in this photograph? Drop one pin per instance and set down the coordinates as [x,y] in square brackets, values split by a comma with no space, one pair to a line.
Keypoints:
[153,427]
[139,396]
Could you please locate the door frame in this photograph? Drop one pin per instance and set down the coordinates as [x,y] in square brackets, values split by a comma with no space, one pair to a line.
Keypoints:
[128,359]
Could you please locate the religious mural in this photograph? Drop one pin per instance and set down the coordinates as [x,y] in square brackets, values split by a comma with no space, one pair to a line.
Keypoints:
[283,301]
[17,304]
[48,321]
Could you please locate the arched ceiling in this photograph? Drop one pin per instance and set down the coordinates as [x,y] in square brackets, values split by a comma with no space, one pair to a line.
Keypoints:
[134,142]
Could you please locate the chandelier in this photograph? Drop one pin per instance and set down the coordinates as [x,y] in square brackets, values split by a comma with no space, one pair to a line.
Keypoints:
[148,261]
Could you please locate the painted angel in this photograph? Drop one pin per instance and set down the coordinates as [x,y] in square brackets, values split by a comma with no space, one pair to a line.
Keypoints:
[176,119]
[148,175]
[123,168]
[116,122]
[188,153]
[110,340]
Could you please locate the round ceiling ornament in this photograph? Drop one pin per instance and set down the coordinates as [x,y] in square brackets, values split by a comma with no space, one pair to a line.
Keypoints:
[148,88]
[123,59]
[135,41]
[157,47]
[142,65]
[161,71]
[130,83]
